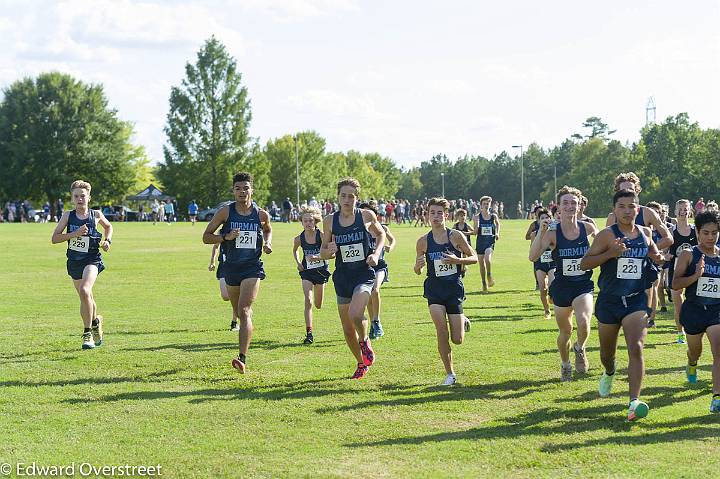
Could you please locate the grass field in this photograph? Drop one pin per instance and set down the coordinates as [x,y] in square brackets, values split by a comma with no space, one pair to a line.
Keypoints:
[161,390]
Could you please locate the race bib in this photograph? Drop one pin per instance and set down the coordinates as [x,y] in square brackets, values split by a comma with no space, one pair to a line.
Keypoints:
[246,240]
[444,269]
[571,267]
[486,230]
[708,287]
[352,253]
[80,244]
[629,268]
[546,257]
[314,264]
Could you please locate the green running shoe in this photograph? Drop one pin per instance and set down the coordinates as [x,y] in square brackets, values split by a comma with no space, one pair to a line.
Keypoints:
[715,405]
[637,410]
[691,372]
[605,384]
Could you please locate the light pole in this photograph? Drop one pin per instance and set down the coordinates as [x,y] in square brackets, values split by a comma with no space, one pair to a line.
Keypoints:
[442,177]
[555,177]
[297,170]
[522,176]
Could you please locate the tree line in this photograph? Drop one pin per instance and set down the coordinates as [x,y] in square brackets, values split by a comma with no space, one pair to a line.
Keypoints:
[55,128]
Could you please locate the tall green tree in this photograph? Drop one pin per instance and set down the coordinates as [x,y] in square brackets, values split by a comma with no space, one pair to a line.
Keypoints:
[55,129]
[317,175]
[207,128]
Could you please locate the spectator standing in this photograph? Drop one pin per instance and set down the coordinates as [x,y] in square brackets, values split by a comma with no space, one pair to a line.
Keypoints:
[700,205]
[169,211]
[193,211]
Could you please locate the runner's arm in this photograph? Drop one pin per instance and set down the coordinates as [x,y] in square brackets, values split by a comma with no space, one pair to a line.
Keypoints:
[209,236]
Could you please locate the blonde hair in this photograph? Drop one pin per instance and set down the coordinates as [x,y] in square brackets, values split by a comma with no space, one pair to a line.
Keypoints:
[439,202]
[629,177]
[313,211]
[80,184]
[349,182]
[486,198]
[569,190]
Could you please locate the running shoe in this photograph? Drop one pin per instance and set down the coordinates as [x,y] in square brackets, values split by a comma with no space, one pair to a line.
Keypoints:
[87,339]
[566,372]
[605,384]
[97,331]
[681,338]
[372,334]
[379,333]
[490,281]
[360,372]
[309,339]
[691,373]
[239,365]
[368,355]
[637,410]
[715,405]
[547,314]
[450,379]
[466,324]
[234,326]
[651,323]
[581,361]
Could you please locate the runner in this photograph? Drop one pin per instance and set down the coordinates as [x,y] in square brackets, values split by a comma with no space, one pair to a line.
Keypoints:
[443,251]
[572,288]
[487,228]
[684,238]
[245,233]
[84,261]
[313,270]
[655,272]
[544,266]
[381,275]
[620,250]
[698,272]
[582,216]
[646,216]
[346,236]
[461,224]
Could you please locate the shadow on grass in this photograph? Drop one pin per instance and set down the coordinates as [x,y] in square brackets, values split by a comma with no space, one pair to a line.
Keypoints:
[96,380]
[231,345]
[412,396]
[549,421]
[162,331]
[589,349]
[272,392]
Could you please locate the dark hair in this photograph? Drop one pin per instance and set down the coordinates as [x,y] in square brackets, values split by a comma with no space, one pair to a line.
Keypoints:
[367,206]
[624,194]
[542,211]
[707,217]
[242,176]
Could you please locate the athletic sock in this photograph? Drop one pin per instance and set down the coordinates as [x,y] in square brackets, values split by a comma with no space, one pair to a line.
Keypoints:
[95,322]
[610,374]
[308,330]
[692,364]
[242,358]
[633,399]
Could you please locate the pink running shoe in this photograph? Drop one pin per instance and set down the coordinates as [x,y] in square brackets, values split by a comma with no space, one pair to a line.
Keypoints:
[368,355]
[360,372]
[239,365]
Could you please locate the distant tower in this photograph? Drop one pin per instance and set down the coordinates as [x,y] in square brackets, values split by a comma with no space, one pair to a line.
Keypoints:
[650,111]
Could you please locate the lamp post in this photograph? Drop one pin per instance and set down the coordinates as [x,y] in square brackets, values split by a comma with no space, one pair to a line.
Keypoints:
[442,178]
[522,176]
[297,170]
[555,177]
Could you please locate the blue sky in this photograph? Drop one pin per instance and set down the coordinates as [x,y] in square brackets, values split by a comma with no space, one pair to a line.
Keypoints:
[408,79]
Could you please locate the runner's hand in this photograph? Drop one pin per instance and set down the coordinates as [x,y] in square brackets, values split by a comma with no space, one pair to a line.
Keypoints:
[82,231]
[618,247]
